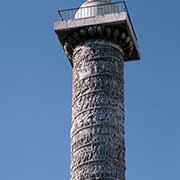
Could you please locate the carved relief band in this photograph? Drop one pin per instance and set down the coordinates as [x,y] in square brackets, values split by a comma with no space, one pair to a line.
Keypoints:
[97,133]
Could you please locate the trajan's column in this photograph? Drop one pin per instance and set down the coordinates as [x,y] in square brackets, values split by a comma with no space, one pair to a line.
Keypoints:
[97,38]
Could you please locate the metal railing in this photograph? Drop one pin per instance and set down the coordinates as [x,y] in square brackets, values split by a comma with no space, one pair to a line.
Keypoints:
[92,11]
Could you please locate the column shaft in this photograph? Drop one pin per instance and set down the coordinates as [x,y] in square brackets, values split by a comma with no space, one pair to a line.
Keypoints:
[97,134]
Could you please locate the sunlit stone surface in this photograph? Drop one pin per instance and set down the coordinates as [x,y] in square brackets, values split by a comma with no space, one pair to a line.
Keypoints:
[97,134]
[93,8]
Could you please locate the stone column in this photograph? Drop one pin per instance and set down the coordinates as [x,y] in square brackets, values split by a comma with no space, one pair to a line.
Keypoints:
[97,40]
[97,134]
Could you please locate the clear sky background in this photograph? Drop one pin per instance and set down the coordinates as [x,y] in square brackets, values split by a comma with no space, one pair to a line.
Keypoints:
[35,92]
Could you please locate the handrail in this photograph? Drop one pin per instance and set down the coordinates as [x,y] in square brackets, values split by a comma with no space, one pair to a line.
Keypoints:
[87,12]
[118,2]
[69,14]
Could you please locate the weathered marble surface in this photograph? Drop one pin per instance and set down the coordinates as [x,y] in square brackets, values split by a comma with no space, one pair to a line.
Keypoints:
[117,35]
[97,134]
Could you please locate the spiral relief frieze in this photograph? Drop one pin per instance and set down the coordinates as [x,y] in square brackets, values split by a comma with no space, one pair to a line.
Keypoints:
[97,133]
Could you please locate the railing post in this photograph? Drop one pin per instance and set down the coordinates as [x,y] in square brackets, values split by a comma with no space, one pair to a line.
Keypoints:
[59,13]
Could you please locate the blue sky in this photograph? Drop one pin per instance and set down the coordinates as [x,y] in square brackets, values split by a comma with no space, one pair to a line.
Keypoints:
[35,92]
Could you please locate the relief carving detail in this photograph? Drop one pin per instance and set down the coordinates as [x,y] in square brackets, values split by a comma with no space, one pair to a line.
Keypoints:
[97,133]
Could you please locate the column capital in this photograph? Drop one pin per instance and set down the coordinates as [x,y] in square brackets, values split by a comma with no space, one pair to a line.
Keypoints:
[109,34]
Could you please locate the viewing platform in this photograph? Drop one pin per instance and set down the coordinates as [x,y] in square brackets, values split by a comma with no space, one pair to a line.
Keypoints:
[114,15]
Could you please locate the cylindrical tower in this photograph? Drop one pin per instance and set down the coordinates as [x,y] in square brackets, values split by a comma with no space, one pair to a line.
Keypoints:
[97,39]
